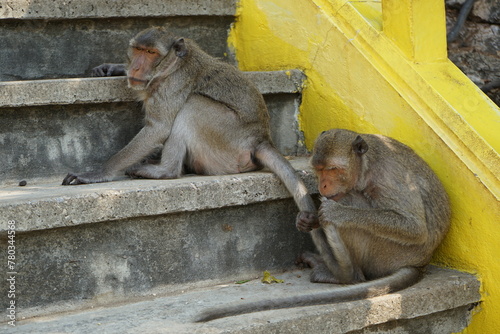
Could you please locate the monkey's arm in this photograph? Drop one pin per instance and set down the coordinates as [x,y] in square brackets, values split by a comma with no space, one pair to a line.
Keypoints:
[403,227]
[149,138]
[107,70]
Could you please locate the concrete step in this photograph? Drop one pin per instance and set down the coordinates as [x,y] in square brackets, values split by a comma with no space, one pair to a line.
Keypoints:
[52,127]
[440,303]
[43,206]
[50,9]
[61,39]
[147,255]
[104,243]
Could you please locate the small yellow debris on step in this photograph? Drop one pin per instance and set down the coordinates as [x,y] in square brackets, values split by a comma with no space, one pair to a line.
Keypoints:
[268,278]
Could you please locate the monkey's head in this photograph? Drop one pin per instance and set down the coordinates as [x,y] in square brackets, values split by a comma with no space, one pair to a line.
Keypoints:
[337,160]
[153,53]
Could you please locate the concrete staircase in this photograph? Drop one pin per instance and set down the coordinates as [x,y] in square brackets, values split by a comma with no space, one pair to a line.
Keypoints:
[148,255]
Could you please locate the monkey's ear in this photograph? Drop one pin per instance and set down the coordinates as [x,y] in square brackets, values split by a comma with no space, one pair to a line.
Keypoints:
[359,145]
[180,48]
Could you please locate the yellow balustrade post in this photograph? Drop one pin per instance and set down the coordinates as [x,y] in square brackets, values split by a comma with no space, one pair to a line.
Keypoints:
[417,27]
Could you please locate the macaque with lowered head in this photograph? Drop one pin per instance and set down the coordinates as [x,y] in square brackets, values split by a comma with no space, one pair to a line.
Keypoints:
[382,215]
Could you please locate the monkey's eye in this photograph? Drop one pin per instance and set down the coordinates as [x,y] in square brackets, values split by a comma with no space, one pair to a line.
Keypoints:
[331,168]
[151,52]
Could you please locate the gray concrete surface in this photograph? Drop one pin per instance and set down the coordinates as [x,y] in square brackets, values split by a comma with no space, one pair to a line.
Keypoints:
[108,90]
[51,127]
[47,206]
[116,260]
[77,9]
[44,49]
[440,303]
[112,241]
[52,39]
[145,256]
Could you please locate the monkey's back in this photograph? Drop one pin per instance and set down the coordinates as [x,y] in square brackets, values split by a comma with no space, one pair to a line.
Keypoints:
[400,162]
[226,84]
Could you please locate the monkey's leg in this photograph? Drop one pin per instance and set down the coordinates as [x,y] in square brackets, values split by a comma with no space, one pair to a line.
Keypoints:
[216,141]
[170,165]
[336,258]
[185,134]
[149,138]
[320,272]
[346,267]
[311,259]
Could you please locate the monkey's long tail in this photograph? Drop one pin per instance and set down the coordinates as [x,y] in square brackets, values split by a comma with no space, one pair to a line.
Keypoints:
[269,157]
[399,280]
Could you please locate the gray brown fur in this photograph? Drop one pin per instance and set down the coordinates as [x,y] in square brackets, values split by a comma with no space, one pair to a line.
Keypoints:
[393,214]
[204,114]
[383,214]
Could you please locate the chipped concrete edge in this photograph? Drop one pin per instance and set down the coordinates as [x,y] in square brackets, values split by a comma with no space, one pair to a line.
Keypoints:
[108,90]
[45,206]
[75,9]
[440,292]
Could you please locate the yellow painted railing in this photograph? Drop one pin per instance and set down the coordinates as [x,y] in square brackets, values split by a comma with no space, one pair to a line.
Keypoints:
[382,67]
[418,28]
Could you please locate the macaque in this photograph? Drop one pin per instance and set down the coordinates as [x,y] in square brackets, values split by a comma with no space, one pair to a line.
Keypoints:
[204,114]
[383,213]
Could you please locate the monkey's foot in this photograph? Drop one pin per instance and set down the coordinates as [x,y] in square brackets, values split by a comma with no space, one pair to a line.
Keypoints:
[307,221]
[85,178]
[321,274]
[309,259]
[150,171]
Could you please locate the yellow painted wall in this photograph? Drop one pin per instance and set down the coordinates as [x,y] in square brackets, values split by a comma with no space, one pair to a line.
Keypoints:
[389,74]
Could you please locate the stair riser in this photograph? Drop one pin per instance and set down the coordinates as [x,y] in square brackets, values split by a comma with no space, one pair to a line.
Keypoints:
[50,141]
[41,49]
[111,261]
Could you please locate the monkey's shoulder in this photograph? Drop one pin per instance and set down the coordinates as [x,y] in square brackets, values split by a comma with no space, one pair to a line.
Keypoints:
[400,165]
[391,150]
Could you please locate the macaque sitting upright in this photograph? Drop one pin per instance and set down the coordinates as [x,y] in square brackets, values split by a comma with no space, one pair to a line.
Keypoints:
[206,115]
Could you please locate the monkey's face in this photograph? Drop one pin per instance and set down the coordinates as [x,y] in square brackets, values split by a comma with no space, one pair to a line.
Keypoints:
[142,63]
[337,162]
[153,53]
[334,180]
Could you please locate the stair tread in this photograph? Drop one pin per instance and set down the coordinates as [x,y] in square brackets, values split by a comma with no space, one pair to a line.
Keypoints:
[441,289]
[47,9]
[50,205]
[105,90]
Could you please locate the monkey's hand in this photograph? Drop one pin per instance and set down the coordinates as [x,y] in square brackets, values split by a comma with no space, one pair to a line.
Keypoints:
[306,221]
[108,70]
[85,178]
